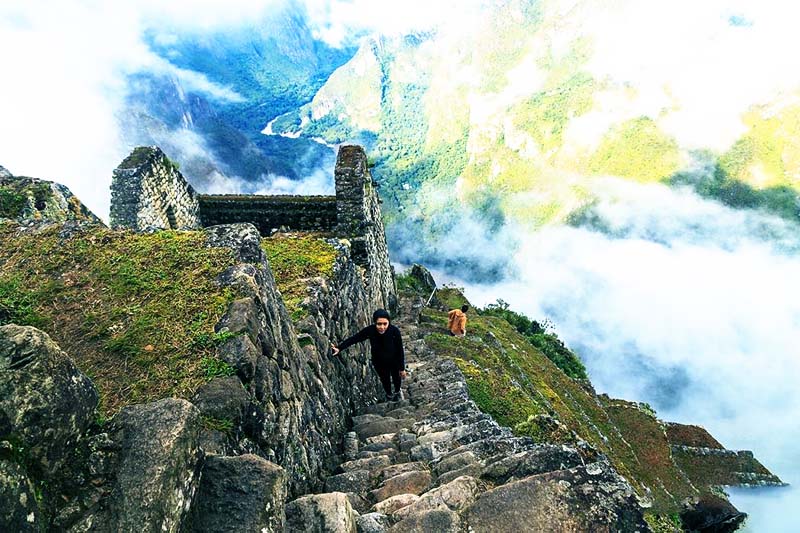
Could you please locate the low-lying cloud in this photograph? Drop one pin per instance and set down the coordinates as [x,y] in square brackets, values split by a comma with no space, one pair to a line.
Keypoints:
[680,302]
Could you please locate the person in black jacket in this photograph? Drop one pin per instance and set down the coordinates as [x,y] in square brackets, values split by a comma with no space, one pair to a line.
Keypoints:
[388,357]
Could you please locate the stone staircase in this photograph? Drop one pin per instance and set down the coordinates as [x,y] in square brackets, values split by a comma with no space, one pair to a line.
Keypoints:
[434,462]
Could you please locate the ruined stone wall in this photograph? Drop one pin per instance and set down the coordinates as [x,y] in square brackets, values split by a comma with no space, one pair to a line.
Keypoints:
[148,192]
[298,213]
[359,220]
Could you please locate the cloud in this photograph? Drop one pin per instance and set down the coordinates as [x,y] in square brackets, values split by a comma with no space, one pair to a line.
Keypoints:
[691,66]
[64,67]
[340,22]
[319,183]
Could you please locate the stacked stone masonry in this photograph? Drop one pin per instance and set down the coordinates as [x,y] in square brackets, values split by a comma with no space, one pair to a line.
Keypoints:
[148,192]
[267,213]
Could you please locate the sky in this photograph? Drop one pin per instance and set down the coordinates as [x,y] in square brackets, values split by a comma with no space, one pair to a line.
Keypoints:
[684,286]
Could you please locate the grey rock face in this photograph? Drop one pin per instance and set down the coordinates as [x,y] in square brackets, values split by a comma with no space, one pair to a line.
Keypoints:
[321,513]
[243,239]
[18,508]
[44,201]
[46,403]
[244,493]
[542,458]
[222,398]
[440,520]
[372,523]
[587,498]
[158,466]
[4,173]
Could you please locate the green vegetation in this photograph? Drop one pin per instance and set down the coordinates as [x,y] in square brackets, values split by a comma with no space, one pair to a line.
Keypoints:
[780,200]
[224,425]
[522,388]
[638,150]
[295,258]
[11,202]
[136,312]
[214,367]
[549,343]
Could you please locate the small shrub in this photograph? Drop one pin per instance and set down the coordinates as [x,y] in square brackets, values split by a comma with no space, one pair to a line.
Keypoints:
[536,333]
[214,367]
[11,203]
[224,425]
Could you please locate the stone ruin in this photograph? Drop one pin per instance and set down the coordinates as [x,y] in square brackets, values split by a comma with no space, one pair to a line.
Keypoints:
[148,193]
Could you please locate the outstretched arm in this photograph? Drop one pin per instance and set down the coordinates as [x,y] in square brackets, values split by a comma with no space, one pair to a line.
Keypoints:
[361,336]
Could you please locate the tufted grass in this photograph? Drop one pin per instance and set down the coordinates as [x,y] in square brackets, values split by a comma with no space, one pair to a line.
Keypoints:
[293,259]
[136,312]
[513,381]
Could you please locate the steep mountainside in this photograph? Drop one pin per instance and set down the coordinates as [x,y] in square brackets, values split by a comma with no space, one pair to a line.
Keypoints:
[147,377]
[514,116]
[262,69]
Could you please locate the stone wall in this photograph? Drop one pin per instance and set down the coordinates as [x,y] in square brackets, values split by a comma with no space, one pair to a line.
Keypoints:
[359,220]
[148,192]
[297,399]
[299,213]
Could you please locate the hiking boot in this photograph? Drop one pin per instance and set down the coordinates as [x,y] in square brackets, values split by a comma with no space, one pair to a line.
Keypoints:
[389,398]
[396,397]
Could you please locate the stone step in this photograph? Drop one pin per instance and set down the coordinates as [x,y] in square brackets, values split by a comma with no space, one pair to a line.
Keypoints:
[413,482]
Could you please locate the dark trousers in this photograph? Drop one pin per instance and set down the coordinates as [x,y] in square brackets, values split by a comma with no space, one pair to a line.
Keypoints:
[388,375]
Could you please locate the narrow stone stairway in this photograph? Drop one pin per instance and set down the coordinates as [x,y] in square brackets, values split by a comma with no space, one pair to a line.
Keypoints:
[433,462]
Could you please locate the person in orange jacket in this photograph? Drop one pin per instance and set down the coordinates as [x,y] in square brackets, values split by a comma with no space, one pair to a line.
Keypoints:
[457,321]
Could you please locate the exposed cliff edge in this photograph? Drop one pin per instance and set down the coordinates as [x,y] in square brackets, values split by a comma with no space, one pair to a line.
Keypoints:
[214,403]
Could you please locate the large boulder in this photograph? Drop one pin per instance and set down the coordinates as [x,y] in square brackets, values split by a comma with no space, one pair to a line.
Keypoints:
[244,492]
[18,509]
[158,469]
[46,403]
[709,513]
[587,498]
[321,513]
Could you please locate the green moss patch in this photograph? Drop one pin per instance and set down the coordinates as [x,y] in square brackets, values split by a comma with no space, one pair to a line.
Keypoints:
[687,435]
[295,258]
[654,464]
[136,312]
[11,203]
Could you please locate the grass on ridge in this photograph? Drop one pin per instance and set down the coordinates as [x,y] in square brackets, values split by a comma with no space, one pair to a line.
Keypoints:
[294,258]
[136,312]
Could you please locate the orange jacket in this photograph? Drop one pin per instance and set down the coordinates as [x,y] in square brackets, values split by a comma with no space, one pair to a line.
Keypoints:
[457,322]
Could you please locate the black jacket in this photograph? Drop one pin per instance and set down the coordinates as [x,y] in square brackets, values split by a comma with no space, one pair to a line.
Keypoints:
[387,349]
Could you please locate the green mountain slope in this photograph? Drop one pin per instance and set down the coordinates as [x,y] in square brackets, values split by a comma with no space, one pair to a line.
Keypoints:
[516,108]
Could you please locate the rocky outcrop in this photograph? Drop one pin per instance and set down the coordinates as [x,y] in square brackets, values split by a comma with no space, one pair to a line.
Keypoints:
[46,403]
[156,456]
[245,492]
[32,200]
[18,508]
